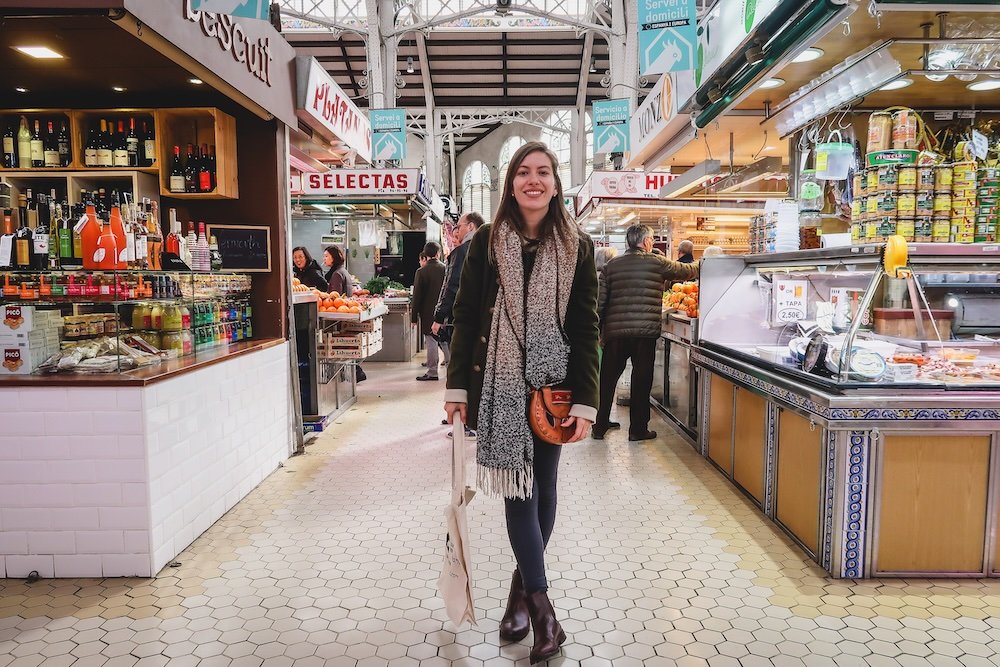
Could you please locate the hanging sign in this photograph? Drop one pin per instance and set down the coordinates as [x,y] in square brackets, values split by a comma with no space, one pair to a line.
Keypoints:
[621,185]
[362,182]
[248,9]
[388,134]
[723,30]
[656,120]
[611,131]
[295,184]
[326,108]
[668,35]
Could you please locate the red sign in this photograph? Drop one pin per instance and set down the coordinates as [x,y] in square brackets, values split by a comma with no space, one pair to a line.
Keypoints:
[325,102]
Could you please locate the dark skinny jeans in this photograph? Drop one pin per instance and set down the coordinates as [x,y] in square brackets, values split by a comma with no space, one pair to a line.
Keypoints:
[530,521]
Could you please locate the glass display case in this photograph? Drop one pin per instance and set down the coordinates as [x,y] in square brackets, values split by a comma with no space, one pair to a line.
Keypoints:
[792,313]
[115,321]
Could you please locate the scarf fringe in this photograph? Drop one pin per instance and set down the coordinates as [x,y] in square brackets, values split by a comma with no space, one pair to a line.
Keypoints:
[505,483]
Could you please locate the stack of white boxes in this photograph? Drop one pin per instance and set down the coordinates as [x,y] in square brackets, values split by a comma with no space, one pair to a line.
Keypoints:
[356,340]
[28,336]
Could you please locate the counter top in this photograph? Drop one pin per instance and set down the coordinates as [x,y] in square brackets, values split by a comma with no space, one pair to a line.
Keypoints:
[148,375]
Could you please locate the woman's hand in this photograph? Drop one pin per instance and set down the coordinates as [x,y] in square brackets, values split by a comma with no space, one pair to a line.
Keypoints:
[451,409]
[582,427]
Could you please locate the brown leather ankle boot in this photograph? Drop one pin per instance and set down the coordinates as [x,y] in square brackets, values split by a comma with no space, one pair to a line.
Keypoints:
[549,635]
[515,623]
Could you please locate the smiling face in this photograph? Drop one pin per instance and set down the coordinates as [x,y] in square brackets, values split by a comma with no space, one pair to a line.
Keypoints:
[299,258]
[534,185]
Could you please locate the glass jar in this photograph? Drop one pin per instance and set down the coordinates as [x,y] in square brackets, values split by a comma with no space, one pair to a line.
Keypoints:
[172,340]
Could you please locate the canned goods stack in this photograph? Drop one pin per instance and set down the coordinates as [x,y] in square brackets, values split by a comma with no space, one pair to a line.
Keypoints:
[963,202]
[988,204]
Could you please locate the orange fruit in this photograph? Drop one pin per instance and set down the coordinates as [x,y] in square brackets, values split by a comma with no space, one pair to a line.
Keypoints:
[355,309]
[334,295]
[296,281]
[343,309]
[324,295]
[338,302]
[676,287]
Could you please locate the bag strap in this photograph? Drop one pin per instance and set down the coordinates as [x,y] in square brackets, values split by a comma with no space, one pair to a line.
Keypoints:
[458,457]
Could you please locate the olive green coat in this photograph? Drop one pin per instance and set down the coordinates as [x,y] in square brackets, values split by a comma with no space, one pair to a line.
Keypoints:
[473,316]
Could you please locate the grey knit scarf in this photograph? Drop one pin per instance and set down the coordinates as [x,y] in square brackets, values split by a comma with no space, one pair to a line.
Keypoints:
[527,349]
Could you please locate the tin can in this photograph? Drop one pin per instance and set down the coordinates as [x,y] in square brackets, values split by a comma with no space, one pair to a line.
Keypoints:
[871,180]
[871,230]
[987,191]
[857,206]
[888,203]
[886,225]
[888,178]
[872,204]
[925,179]
[906,204]
[944,176]
[988,174]
[923,228]
[858,184]
[942,203]
[904,130]
[985,232]
[906,227]
[857,232]
[941,230]
[964,174]
[880,129]
[966,194]
[907,177]
[963,238]
[924,203]
[961,210]
[986,209]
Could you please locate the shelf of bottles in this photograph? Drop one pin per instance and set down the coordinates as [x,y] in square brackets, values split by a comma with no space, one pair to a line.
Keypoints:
[191,152]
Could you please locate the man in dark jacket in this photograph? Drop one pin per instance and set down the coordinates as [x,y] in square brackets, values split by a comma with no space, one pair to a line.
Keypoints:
[464,230]
[426,287]
[629,305]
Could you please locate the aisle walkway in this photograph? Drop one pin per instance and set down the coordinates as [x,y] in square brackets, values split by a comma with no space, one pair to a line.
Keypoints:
[655,561]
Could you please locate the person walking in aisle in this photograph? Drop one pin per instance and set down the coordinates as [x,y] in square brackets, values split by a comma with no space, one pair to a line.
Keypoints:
[630,305]
[426,288]
[525,318]
[307,270]
[465,229]
[337,278]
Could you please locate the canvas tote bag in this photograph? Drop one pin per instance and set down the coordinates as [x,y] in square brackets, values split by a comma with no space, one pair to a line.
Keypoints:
[455,582]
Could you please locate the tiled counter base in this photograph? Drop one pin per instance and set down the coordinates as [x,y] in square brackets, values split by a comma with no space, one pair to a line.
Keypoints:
[116,481]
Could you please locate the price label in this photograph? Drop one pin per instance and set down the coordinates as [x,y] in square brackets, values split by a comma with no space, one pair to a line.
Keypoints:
[967,115]
[6,248]
[944,115]
[980,145]
[790,297]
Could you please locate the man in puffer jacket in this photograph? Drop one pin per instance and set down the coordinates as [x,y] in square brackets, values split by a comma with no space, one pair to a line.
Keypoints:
[629,305]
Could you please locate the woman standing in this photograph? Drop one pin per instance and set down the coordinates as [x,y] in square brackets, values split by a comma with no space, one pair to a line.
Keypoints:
[337,278]
[307,270]
[525,317]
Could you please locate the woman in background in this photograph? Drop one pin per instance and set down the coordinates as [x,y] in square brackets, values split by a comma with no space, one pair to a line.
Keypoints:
[307,270]
[337,278]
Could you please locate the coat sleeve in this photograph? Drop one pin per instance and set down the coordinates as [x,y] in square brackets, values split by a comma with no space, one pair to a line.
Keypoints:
[446,303]
[418,295]
[582,331]
[679,271]
[602,295]
[466,315]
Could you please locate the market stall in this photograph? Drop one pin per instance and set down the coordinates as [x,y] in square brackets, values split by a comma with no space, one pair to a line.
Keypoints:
[143,271]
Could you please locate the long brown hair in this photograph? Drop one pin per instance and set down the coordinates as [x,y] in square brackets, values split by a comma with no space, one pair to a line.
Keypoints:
[556,220]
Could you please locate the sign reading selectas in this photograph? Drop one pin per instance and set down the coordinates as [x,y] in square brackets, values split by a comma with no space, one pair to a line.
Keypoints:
[611,126]
[249,9]
[668,35]
[388,133]
[362,182]
[325,104]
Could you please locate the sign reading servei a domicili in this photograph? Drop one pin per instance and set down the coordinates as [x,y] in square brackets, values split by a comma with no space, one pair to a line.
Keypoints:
[325,107]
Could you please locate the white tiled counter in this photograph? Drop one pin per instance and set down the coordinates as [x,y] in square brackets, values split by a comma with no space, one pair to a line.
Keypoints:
[116,481]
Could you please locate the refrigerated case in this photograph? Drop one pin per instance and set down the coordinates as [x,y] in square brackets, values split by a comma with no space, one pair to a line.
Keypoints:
[675,378]
[884,469]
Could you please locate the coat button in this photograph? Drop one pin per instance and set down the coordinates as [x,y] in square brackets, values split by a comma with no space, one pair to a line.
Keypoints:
[482,339]
[477,368]
[492,308]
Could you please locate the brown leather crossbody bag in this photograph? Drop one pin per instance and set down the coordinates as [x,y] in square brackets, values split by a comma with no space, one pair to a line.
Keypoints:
[547,409]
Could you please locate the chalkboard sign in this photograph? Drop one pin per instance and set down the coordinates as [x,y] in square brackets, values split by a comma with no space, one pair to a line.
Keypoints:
[243,247]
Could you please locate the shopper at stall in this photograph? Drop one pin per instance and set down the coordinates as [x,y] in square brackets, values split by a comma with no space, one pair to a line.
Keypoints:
[337,277]
[602,256]
[307,270]
[525,317]
[713,251]
[630,305]
[685,252]
[426,288]
[464,230]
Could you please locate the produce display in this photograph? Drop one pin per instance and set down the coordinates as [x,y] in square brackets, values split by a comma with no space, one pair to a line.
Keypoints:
[334,302]
[683,298]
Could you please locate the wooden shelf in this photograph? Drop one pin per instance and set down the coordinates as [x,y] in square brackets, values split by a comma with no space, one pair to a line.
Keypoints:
[94,172]
[203,125]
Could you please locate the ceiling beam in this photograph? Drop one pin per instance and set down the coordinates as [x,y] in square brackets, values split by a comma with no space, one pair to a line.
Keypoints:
[584,81]
[465,85]
[465,57]
[482,136]
[350,71]
[425,70]
[478,42]
[503,64]
[521,101]
[532,71]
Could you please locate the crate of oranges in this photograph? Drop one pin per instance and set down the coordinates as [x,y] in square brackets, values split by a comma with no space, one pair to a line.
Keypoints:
[682,297]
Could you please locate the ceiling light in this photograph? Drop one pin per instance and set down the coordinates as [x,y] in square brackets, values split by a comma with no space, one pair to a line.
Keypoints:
[769,148]
[965,77]
[808,55]
[21,89]
[772,83]
[897,84]
[43,52]
[937,78]
[118,89]
[196,82]
[984,85]
[409,65]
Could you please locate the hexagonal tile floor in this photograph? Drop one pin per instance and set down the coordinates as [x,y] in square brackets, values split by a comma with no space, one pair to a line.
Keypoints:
[656,560]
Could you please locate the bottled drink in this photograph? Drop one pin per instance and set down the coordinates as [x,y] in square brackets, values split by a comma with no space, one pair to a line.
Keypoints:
[177,172]
[202,261]
[40,235]
[88,230]
[189,245]
[173,240]
[7,240]
[63,143]
[22,245]
[204,171]
[51,148]
[212,165]
[53,258]
[215,257]
[30,213]
[154,235]
[105,157]
[9,154]
[191,171]
[141,232]
[120,157]
[121,239]
[37,146]
[90,150]
[107,252]
[24,145]
[77,220]
[65,233]
[149,145]
[132,144]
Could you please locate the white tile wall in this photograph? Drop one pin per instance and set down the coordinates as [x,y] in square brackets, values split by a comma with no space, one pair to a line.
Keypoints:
[213,436]
[117,481]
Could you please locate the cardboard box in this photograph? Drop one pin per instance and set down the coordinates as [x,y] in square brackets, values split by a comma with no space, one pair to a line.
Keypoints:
[17,318]
[22,358]
[314,423]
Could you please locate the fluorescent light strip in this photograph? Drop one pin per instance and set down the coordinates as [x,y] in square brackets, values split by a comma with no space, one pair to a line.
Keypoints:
[40,52]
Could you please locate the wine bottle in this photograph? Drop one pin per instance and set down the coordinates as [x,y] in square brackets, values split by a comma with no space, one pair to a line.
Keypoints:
[22,245]
[140,230]
[53,258]
[65,235]
[212,166]
[104,153]
[132,144]
[40,234]
[9,154]
[204,173]
[76,221]
[120,155]
[172,243]
[149,144]
[191,171]
[215,257]
[65,149]
[177,172]
[37,146]
[90,150]
[24,145]
[7,240]
[51,148]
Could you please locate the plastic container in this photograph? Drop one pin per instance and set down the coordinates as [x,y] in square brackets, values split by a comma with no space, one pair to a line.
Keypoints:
[834,159]
[900,323]
[810,192]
